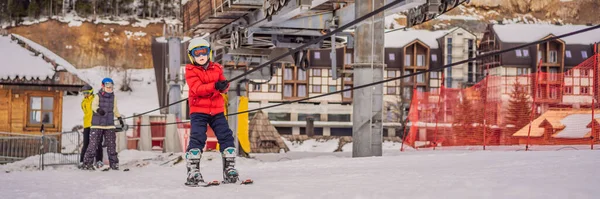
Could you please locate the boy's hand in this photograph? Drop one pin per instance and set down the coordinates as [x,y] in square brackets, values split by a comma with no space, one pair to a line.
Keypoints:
[100,111]
[221,85]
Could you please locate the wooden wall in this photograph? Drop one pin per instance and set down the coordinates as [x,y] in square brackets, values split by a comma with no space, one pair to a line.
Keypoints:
[14,109]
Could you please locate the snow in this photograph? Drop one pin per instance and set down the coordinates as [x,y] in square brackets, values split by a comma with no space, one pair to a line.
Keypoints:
[312,145]
[423,174]
[49,54]
[534,32]
[400,38]
[391,19]
[143,98]
[18,61]
[575,126]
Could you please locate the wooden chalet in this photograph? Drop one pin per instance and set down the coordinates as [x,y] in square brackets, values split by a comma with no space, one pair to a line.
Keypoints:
[33,82]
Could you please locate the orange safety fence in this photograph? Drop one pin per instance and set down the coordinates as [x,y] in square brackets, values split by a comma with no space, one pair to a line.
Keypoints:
[500,112]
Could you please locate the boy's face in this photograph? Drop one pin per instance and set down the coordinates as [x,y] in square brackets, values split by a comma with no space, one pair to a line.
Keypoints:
[202,59]
[108,87]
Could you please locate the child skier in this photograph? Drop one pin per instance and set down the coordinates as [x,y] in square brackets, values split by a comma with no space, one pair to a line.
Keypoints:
[103,125]
[86,107]
[206,82]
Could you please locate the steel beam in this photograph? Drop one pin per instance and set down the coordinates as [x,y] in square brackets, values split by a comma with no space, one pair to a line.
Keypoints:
[345,15]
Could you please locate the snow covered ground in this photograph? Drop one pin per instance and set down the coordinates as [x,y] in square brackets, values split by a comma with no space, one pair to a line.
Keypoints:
[431,174]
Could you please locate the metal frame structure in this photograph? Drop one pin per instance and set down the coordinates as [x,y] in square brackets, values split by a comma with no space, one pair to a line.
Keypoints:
[253,31]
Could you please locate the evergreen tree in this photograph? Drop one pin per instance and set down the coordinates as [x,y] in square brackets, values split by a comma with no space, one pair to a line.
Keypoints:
[519,109]
[464,117]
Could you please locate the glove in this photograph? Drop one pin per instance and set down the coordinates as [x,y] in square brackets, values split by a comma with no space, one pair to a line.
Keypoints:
[100,112]
[121,121]
[221,85]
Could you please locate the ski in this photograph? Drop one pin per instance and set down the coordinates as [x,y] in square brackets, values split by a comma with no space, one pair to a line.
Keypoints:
[204,184]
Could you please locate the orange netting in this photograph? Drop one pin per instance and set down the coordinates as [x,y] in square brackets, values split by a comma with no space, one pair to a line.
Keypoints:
[497,111]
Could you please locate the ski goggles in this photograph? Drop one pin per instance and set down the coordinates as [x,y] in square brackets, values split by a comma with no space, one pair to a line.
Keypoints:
[87,92]
[108,85]
[200,51]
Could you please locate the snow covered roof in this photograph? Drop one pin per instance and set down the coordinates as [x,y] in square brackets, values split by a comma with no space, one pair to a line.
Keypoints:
[18,61]
[63,64]
[400,38]
[569,124]
[525,33]
[575,126]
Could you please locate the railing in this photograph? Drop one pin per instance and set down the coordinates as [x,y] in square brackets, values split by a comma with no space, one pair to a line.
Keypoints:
[57,148]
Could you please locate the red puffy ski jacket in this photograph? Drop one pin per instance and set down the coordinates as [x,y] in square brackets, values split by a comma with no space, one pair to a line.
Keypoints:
[202,96]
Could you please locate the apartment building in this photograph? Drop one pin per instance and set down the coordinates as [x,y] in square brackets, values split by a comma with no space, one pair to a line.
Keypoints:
[565,79]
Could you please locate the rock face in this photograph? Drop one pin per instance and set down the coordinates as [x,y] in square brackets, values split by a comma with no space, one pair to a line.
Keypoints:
[570,11]
[92,44]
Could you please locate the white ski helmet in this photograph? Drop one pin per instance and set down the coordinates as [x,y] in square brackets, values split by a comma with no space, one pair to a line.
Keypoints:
[198,42]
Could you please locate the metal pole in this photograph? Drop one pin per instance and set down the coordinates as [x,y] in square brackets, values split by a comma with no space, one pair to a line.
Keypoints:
[367,113]
[174,46]
[42,148]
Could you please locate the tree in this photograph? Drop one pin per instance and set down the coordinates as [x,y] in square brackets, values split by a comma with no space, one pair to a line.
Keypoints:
[34,9]
[519,109]
[464,117]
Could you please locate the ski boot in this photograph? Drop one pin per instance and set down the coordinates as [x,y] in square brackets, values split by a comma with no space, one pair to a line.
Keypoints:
[230,174]
[87,167]
[193,158]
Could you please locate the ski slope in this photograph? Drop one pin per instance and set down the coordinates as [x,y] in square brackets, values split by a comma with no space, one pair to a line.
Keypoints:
[425,174]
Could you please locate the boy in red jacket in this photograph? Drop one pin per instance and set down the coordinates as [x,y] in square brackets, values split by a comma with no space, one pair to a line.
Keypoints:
[206,82]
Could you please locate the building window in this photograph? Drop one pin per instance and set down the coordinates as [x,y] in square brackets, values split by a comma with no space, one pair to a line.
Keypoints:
[568,53]
[339,117]
[434,90]
[302,75]
[434,58]
[584,90]
[522,71]
[519,54]
[288,74]
[332,89]
[584,54]
[407,92]
[433,74]
[303,116]
[568,90]
[391,73]
[287,90]
[295,82]
[316,88]
[584,72]
[420,60]
[41,111]
[525,53]
[301,90]
[540,56]
[272,87]
[348,58]
[391,90]
[569,73]
[256,87]
[347,94]
[553,58]
[407,79]
[407,59]
[392,56]
[316,72]
[317,55]
[279,116]
[553,74]
[553,93]
[421,78]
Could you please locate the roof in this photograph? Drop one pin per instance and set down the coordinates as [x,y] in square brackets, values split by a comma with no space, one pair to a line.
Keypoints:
[567,123]
[261,130]
[400,38]
[18,61]
[575,125]
[62,63]
[526,33]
